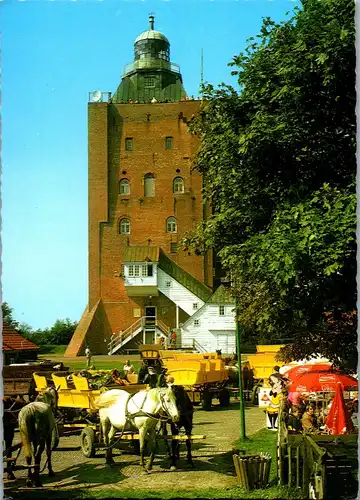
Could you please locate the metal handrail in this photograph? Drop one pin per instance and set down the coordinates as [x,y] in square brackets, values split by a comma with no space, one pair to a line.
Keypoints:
[198,346]
[164,328]
[141,322]
[150,63]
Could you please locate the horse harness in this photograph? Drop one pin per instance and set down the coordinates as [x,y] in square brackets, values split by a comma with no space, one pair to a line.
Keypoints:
[129,417]
[141,413]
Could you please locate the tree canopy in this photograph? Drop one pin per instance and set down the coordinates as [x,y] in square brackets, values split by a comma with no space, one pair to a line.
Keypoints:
[279,164]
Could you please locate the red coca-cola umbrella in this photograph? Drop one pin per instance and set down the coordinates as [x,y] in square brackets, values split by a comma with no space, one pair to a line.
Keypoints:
[338,421]
[296,371]
[318,381]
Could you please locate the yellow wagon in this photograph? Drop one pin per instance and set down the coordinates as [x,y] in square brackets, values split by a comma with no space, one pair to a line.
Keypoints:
[203,375]
[77,413]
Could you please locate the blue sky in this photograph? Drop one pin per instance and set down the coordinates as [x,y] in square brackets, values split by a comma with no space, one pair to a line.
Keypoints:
[53,54]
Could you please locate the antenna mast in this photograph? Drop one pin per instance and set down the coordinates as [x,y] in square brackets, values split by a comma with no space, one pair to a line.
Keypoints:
[201,71]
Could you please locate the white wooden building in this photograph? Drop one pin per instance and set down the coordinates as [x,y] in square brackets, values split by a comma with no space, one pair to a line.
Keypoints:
[212,326]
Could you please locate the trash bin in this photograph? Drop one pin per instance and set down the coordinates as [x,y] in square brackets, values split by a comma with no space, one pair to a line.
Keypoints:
[253,471]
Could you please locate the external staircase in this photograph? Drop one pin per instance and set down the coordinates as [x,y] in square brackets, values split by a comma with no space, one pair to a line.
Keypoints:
[146,323]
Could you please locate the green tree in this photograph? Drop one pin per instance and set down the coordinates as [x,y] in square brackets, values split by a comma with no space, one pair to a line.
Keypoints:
[62,331]
[278,159]
[8,315]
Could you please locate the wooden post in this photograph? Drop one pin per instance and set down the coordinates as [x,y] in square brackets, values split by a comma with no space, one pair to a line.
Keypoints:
[289,448]
[298,466]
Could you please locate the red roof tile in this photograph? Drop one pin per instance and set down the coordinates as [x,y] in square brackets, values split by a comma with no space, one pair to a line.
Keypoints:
[13,341]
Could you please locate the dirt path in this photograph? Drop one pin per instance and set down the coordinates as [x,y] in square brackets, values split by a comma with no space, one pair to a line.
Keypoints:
[213,468]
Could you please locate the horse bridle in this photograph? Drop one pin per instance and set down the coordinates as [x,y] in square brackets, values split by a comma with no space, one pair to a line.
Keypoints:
[143,413]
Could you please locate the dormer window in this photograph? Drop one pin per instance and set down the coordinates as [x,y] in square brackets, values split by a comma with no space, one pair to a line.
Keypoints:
[143,270]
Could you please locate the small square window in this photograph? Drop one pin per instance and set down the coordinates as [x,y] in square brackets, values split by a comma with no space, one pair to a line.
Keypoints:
[129,146]
[168,284]
[168,142]
[222,310]
[196,322]
[173,247]
[137,313]
[195,305]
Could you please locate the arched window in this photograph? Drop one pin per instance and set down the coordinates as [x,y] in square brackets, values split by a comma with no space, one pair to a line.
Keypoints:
[124,186]
[149,185]
[124,226]
[171,226]
[178,185]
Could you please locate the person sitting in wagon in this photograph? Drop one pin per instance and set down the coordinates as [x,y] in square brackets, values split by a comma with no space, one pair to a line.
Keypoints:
[151,377]
[128,368]
[115,377]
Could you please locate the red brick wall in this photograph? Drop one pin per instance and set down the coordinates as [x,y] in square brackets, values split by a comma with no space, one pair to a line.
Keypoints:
[147,125]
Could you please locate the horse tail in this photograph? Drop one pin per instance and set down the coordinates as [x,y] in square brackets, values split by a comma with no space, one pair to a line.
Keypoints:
[25,427]
[54,430]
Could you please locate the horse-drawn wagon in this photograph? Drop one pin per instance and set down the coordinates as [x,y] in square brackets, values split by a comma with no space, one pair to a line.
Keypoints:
[203,375]
[18,379]
[77,413]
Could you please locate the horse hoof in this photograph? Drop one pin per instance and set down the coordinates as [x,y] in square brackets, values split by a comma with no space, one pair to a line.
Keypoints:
[173,468]
[111,464]
[29,483]
[51,473]
[146,472]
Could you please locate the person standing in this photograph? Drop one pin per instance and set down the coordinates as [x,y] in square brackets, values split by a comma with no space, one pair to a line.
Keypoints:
[88,355]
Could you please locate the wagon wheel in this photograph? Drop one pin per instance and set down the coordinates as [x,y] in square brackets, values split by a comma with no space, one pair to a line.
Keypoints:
[59,416]
[206,401]
[87,441]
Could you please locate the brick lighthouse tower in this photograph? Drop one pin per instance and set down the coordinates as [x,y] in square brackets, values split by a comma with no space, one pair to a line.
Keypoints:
[143,198]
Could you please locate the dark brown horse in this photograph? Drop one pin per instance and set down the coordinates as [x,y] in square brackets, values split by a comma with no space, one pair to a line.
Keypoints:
[186,410]
[11,408]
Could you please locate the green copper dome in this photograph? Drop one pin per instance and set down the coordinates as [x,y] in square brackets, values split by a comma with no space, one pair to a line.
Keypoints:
[151,74]
[151,34]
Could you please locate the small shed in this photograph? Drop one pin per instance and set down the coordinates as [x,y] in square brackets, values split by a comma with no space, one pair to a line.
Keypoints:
[16,348]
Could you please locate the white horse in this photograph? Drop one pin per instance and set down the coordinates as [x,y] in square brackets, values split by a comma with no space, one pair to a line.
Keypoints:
[141,411]
[37,425]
